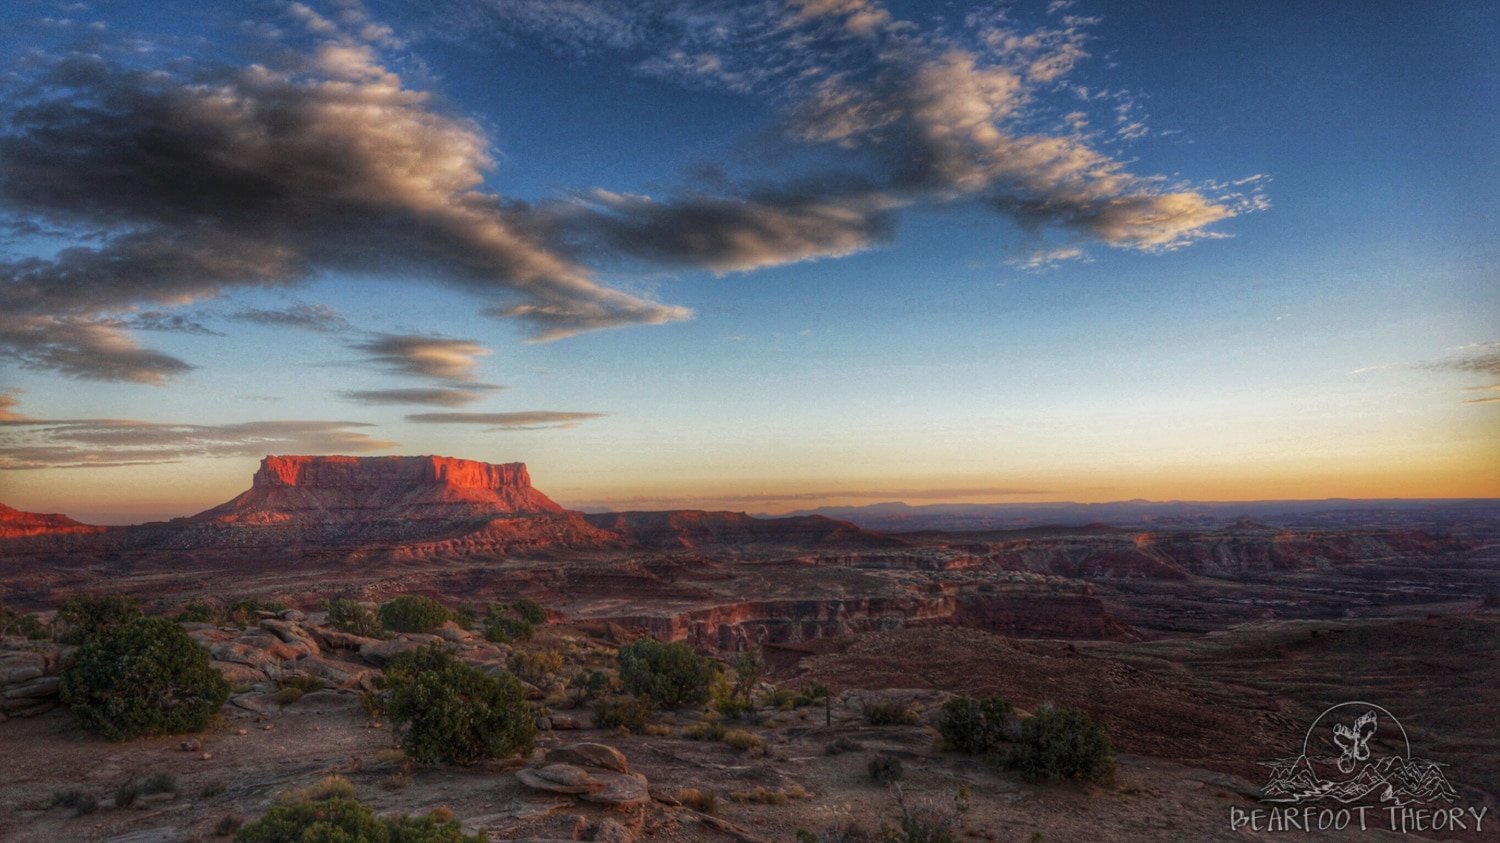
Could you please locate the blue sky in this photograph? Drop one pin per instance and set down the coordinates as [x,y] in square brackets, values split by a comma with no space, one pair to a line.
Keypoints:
[752,256]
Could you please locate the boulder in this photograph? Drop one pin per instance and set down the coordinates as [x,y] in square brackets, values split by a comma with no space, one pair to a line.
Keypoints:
[42,686]
[292,634]
[333,639]
[590,754]
[619,790]
[557,778]
[337,673]
[18,667]
[380,653]
[238,674]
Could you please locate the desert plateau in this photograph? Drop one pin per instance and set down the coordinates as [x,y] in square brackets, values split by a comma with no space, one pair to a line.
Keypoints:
[1205,649]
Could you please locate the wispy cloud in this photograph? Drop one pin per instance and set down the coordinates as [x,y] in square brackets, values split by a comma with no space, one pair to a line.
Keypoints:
[889,494]
[431,396]
[424,355]
[524,420]
[319,318]
[100,443]
[1481,359]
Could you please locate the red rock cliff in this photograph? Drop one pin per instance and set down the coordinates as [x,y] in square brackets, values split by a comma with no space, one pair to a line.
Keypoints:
[338,488]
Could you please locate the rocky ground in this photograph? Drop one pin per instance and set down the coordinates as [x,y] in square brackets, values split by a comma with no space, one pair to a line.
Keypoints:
[1191,718]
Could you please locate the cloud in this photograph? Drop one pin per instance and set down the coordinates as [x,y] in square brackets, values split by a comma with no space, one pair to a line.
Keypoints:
[894,116]
[207,178]
[723,233]
[100,443]
[525,420]
[303,316]
[1481,359]
[8,405]
[178,323]
[424,355]
[434,396]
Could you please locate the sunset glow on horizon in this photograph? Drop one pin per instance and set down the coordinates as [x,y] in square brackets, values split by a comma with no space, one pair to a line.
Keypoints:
[756,257]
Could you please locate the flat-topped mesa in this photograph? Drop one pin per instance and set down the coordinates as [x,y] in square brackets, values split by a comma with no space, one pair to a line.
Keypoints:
[333,490]
[347,472]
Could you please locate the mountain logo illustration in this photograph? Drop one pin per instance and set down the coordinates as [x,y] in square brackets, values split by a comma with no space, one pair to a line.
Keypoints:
[1356,752]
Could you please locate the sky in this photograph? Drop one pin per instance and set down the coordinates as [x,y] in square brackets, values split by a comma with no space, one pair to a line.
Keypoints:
[757,256]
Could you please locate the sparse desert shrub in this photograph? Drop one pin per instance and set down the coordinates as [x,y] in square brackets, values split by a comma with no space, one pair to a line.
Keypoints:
[702,801]
[843,744]
[657,730]
[339,817]
[761,795]
[126,794]
[887,712]
[288,695]
[724,699]
[1062,743]
[80,801]
[449,711]
[670,675]
[413,613]
[784,699]
[886,769]
[228,825]
[742,740]
[147,677]
[159,783]
[748,667]
[198,611]
[534,665]
[242,612]
[85,616]
[621,712]
[706,730]
[814,694]
[349,616]
[976,725]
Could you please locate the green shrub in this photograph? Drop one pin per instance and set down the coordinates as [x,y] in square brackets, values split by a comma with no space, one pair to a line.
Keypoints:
[198,611]
[590,684]
[976,725]
[1062,743]
[887,712]
[514,622]
[85,616]
[706,730]
[147,677]
[287,696]
[340,818]
[21,624]
[413,613]
[670,675]
[814,693]
[448,711]
[228,825]
[530,611]
[621,712]
[347,615]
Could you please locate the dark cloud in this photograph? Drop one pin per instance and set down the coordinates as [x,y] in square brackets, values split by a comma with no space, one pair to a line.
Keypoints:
[424,355]
[433,396]
[526,420]
[98,443]
[175,323]
[214,178]
[301,315]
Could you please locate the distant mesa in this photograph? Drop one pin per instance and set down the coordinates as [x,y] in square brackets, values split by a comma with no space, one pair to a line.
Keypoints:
[342,488]
[17,524]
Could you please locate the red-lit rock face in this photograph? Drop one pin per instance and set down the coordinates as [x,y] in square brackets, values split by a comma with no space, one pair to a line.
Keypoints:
[334,490]
[359,472]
